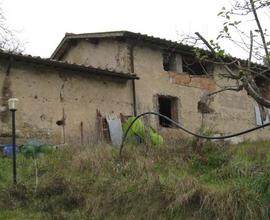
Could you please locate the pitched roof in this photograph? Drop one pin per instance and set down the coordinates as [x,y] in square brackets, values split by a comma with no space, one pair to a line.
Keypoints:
[65,66]
[150,40]
[158,42]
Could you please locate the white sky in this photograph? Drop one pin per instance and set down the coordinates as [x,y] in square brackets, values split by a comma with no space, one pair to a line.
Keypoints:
[43,23]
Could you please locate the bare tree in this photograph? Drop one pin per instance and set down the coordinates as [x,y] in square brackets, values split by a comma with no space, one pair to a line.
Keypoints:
[243,27]
[8,40]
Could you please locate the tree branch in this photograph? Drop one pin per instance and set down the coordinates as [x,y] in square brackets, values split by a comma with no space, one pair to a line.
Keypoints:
[250,50]
[233,75]
[236,89]
[260,30]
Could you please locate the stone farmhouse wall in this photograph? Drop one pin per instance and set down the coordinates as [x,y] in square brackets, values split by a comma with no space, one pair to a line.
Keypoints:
[232,111]
[56,105]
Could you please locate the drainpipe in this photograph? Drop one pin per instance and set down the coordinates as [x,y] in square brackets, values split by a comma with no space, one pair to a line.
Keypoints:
[134,98]
[131,47]
[10,62]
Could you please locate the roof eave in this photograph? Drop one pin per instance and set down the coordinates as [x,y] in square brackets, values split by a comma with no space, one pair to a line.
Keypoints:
[68,66]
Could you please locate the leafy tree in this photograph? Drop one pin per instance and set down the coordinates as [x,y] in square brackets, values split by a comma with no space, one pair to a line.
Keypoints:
[243,26]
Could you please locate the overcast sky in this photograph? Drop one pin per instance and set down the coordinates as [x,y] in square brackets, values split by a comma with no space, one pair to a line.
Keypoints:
[42,23]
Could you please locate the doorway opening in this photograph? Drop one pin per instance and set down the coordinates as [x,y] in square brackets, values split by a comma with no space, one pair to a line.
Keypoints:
[167,106]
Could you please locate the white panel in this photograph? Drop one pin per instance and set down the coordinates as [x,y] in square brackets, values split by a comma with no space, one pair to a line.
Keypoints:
[116,131]
[258,115]
[178,63]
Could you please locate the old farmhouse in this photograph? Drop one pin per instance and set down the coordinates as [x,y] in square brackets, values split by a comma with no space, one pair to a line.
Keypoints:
[66,98]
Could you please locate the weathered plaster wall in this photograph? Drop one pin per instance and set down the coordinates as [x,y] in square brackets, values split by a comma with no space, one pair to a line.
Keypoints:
[47,95]
[233,112]
[104,53]
[6,92]
[154,80]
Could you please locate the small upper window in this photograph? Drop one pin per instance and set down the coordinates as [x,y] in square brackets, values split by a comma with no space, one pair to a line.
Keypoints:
[180,64]
[194,66]
[173,62]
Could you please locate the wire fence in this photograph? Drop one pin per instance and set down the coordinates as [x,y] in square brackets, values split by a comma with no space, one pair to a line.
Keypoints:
[186,130]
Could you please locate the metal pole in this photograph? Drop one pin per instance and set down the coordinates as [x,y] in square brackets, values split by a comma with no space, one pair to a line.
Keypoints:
[14,146]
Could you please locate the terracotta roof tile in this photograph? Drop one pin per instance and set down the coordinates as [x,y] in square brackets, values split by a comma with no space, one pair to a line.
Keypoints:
[65,65]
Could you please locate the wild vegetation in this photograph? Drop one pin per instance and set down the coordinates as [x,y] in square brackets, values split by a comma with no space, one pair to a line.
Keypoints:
[177,181]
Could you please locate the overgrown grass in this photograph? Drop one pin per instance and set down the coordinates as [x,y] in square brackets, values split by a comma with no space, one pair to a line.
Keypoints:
[166,182]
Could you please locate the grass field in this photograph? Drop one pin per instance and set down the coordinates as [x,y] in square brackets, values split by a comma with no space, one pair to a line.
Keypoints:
[178,181]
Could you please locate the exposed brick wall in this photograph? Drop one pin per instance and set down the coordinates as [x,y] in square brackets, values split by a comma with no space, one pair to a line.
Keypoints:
[201,82]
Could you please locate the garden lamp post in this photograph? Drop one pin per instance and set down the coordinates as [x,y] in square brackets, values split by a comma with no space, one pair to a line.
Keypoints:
[12,105]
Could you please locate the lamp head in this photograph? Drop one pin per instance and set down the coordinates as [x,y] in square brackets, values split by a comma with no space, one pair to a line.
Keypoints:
[12,104]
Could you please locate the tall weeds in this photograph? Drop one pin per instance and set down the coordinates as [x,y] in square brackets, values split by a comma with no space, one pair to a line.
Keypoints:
[162,182]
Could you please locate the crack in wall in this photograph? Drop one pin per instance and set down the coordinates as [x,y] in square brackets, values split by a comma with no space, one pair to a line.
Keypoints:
[61,95]
[62,121]
[62,92]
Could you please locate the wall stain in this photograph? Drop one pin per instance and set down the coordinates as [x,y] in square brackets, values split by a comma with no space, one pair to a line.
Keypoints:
[6,94]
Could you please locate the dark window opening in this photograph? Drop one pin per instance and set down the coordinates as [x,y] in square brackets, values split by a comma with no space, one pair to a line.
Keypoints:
[189,65]
[167,107]
[263,85]
[193,66]
[172,62]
